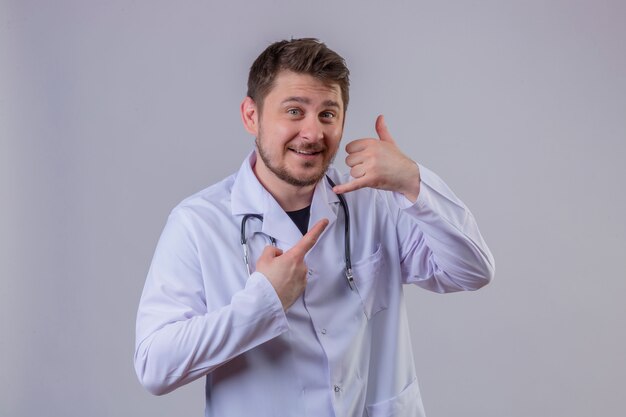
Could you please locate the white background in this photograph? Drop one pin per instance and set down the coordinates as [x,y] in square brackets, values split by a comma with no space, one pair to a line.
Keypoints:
[111,112]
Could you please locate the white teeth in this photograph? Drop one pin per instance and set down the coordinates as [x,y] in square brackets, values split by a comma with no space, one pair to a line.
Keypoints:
[303,152]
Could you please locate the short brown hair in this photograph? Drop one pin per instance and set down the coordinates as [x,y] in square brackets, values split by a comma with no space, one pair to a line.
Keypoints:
[304,56]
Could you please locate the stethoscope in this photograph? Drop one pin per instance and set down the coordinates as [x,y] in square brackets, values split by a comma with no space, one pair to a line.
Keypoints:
[346,214]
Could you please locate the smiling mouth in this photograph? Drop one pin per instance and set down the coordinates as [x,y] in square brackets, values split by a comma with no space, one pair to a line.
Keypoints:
[305,153]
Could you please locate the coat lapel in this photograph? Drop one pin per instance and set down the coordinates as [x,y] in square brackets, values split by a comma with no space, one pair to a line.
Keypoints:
[249,196]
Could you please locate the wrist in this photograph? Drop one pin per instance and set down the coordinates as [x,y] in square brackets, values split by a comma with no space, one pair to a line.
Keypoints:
[411,188]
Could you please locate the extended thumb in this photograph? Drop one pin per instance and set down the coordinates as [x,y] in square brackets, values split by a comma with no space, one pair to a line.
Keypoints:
[381,129]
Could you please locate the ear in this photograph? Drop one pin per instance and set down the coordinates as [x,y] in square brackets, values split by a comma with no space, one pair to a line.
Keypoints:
[250,116]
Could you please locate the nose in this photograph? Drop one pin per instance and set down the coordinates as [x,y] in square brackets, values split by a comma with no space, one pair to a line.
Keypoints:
[312,129]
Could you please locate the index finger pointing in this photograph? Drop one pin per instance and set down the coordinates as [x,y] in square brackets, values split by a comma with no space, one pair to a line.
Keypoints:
[308,240]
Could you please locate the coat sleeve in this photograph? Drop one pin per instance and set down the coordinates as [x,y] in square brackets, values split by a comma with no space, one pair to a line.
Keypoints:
[178,337]
[441,247]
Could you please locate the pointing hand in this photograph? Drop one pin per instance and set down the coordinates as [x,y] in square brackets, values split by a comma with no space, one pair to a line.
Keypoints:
[287,271]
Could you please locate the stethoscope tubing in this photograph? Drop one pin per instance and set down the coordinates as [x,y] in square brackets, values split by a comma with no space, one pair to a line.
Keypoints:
[346,239]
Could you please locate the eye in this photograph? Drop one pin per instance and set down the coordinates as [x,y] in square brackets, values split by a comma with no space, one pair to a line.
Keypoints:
[294,112]
[328,115]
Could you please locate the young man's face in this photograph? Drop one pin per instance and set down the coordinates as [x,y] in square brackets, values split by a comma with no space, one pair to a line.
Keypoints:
[299,129]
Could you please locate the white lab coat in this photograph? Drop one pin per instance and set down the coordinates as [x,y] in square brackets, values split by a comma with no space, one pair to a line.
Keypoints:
[336,351]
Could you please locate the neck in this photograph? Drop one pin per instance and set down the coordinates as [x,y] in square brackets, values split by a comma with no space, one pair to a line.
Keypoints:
[290,197]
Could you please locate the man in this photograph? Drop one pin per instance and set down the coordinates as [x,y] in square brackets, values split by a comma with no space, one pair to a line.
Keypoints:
[315,323]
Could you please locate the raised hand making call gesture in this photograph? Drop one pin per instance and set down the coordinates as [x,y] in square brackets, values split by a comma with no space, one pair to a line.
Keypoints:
[379,163]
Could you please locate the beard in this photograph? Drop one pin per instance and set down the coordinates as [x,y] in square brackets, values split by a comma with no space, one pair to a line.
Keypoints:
[281,171]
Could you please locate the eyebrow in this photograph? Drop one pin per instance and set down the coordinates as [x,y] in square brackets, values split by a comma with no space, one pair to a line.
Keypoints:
[305,100]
